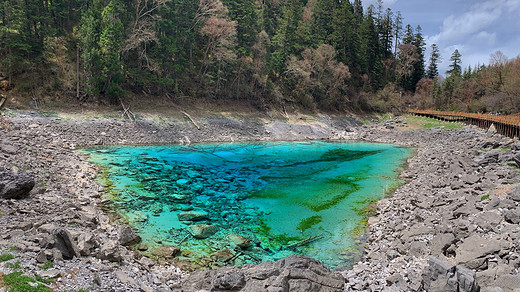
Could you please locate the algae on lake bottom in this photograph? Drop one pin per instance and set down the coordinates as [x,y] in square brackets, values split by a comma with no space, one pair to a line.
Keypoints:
[276,195]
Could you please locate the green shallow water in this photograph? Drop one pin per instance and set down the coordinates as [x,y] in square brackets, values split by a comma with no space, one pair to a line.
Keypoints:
[277,194]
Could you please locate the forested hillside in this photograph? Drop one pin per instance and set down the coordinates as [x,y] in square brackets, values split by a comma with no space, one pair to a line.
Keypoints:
[316,54]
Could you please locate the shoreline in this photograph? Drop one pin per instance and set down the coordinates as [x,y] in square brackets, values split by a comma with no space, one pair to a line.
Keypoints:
[65,186]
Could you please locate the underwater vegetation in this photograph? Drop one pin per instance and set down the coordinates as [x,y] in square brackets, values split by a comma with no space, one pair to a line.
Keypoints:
[240,203]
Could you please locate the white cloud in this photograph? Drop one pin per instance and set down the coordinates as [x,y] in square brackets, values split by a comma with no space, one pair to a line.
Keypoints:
[386,3]
[486,38]
[474,21]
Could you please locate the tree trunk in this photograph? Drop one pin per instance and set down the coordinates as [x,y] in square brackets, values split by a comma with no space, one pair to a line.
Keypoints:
[77,72]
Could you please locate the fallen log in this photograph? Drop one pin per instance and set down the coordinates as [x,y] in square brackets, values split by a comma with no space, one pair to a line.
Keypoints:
[305,241]
[191,119]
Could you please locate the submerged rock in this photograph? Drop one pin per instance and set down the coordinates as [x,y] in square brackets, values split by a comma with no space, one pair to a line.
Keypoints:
[192,215]
[223,256]
[166,251]
[240,241]
[201,231]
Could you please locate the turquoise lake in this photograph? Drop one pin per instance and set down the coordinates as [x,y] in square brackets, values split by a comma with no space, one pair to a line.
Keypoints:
[255,201]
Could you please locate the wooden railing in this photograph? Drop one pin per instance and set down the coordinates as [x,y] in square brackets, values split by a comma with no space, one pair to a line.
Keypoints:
[507,125]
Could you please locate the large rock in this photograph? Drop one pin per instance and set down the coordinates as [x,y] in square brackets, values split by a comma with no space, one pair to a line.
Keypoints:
[192,215]
[295,273]
[515,194]
[15,185]
[489,157]
[443,276]
[110,251]
[441,242]
[508,282]
[474,250]
[516,158]
[201,231]
[127,235]
[87,243]
[240,241]
[166,251]
[65,244]
[512,216]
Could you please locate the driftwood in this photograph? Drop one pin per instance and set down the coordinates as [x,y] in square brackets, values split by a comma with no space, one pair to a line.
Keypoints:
[234,257]
[127,112]
[305,241]
[185,237]
[191,119]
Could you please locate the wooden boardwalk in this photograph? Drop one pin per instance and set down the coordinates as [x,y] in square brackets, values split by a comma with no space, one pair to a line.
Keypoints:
[506,125]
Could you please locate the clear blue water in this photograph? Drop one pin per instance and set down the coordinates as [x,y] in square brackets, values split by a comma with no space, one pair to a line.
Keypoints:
[276,194]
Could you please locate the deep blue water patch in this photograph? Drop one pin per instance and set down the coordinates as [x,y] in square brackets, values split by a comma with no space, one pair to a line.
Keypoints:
[281,198]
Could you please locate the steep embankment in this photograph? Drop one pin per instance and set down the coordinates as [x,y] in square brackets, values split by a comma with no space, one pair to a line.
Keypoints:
[443,210]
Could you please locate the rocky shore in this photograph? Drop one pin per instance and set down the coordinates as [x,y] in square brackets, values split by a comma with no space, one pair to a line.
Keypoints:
[452,227]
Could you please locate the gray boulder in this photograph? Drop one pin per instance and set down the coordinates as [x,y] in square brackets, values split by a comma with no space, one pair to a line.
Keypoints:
[110,251]
[489,157]
[444,276]
[295,273]
[474,251]
[65,244]
[516,158]
[86,243]
[127,235]
[15,185]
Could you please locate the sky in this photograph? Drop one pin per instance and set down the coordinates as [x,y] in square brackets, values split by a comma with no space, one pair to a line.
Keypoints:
[477,28]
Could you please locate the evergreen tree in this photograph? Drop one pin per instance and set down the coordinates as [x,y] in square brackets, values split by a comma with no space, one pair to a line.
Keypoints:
[322,27]
[100,36]
[14,48]
[435,59]
[110,41]
[286,42]
[398,27]
[243,12]
[371,60]
[408,35]
[455,63]
[345,38]
[419,43]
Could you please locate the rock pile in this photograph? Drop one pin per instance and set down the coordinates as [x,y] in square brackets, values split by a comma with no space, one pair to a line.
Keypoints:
[460,206]
[295,273]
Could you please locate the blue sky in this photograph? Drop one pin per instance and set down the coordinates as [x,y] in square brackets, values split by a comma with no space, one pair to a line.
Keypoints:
[477,28]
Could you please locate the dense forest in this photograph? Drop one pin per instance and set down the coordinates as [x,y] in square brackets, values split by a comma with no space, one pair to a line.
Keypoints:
[313,54]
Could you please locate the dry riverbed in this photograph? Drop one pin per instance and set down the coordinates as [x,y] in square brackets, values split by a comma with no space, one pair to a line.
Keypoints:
[452,227]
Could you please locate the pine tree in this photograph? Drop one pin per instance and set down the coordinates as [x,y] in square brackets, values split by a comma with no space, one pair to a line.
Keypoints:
[371,60]
[408,35]
[322,27]
[455,63]
[243,12]
[419,43]
[14,48]
[110,41]
[435,59]
[398,27]
[345,38]
[286,41]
